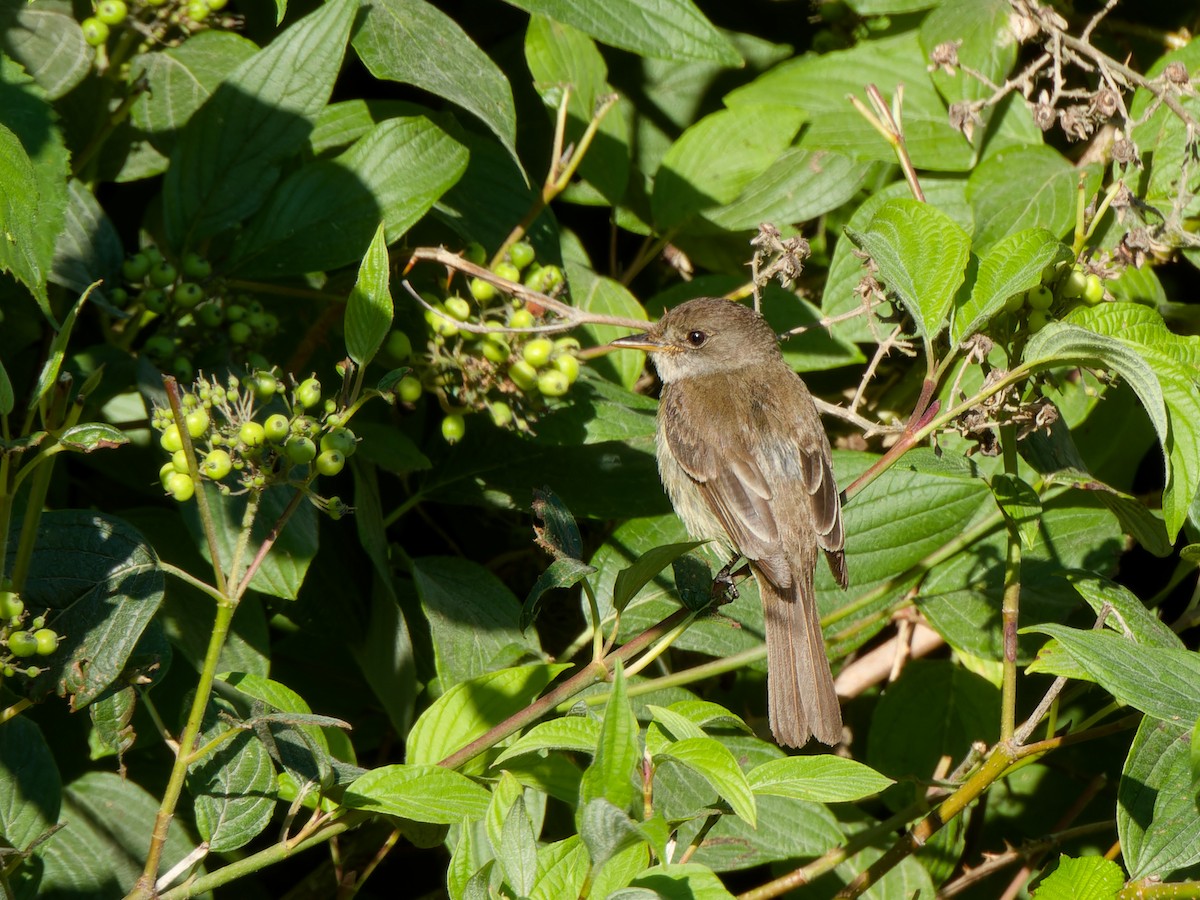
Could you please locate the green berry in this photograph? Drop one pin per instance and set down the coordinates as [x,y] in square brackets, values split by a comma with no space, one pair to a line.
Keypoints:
[566,345]
[308,392]
[235,312]
[215,5]
[306,425]
[475,253]
[154,300]
[481,290]
[179,461]
[545,279]
[458,308]
[439,323]
[340,439]
[501,413]
[523,375]
[1093,290]
[158,346]
[163,274]
[330,462]
[1073,285]
[1040,298]
[553,383]
[520,318]
[111,12]
[47,638]
[300,450]
[277,428]
[217,464]
[1038,319]
[454,427]
[136,267]
[11,605]
[197,423]
[197,10]
[568,365]
[95,32]
[1014,303]
[240,332]
[398,346]
[507,271]
[537,352]
[165,471]
[170,440]
[521,254]
[409,389]
[196,266]
[210,315]
[270,324]
[119,297]
[22,643]
[495,349]
[189,294]
[252,434]
[181,486]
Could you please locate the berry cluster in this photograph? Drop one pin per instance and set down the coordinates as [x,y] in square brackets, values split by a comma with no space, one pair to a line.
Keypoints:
[188,309]
[1062,289]
[110,14]
[508,371]
[259,432]
[20,640]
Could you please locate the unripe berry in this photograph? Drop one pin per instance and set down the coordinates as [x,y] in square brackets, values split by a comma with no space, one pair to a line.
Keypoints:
[454,427]
[340,439]
[217,464]
[566,345]
[495,349]
[111,12]
[308,392]
[211,315]
[481,290]
[1073,285]
[119,297]
[195,265]
[330,462]
[1038,319]
[252,434]
[458,308]
[197,422]
[170,439]
[179,461]
[189,294]
[165,471]
[136,267]
[537,352]
[197,10]
[95,32]
[398,346]
[475,253]
[1093,290]
[523,375]
[568,365]
[22,643]
[11,605]
[300,450]
[409,389]
[1014,303]
[507,271]
[180,487]
[163,274]
[501,413]
[545,279]
[158,346]
[553,383]
[439,323]
[277,428]
[240,332]
[521,254]
[47,641]
[153,299]
[1040,298]
[520,318]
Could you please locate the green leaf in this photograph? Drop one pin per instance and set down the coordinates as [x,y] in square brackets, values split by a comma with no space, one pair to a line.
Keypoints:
[518,849]
[19,214]
[474,620]
[981,31]
[615,762]
[922,256]
[688,881]
[48,44]
[282,571]
[100,849]
[561,573]
[470,708]
[718,157]
[114,589]
[1161,682]
[1156,809]
[1162,138]
[1127,613]
[234,788]
[818,84]
[7,400]
[605,830]
[48,376]
[578,734]
[1020,504]
[679,726]
[1013,265]
[180,79]
[557,533]
[710,759]
[1089,878]
[92,436]
[423,793]
[413,42]
[822,779]
[1026,187]
[394,174]
[30,786]
[661,29]
[89,248]
[229,154]
[369,309]
[598,294]
[630,580]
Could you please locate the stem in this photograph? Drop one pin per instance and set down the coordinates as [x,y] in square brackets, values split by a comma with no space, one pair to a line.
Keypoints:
[1011,604]
[268,542]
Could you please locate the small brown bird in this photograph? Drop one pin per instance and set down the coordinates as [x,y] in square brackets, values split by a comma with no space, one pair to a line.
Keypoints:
[744,459]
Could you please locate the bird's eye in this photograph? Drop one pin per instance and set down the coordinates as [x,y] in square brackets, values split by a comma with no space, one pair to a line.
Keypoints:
[697,338]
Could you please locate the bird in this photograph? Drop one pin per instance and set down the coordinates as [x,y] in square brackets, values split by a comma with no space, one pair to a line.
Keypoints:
[746,462]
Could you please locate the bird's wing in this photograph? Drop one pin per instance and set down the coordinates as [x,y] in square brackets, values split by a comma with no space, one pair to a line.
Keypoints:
[731,481]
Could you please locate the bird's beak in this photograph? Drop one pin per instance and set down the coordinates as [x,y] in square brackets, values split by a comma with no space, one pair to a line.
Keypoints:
[647,341]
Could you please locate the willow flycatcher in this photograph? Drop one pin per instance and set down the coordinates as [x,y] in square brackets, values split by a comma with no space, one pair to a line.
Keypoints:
[745,461]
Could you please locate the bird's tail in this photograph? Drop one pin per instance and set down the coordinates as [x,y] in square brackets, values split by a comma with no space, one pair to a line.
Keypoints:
[801,699]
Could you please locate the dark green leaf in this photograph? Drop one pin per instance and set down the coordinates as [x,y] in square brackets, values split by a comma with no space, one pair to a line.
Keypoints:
[30,786]
[558,534]
[1156,809]
[713,762]
[630,580]
[561,573]
[615,762]
[606,830]
[49,45]
[89,248]
[1020,504]
[369,308]
[229,155]
[92,436]
[1126,612]
[234,789]
[413,42]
